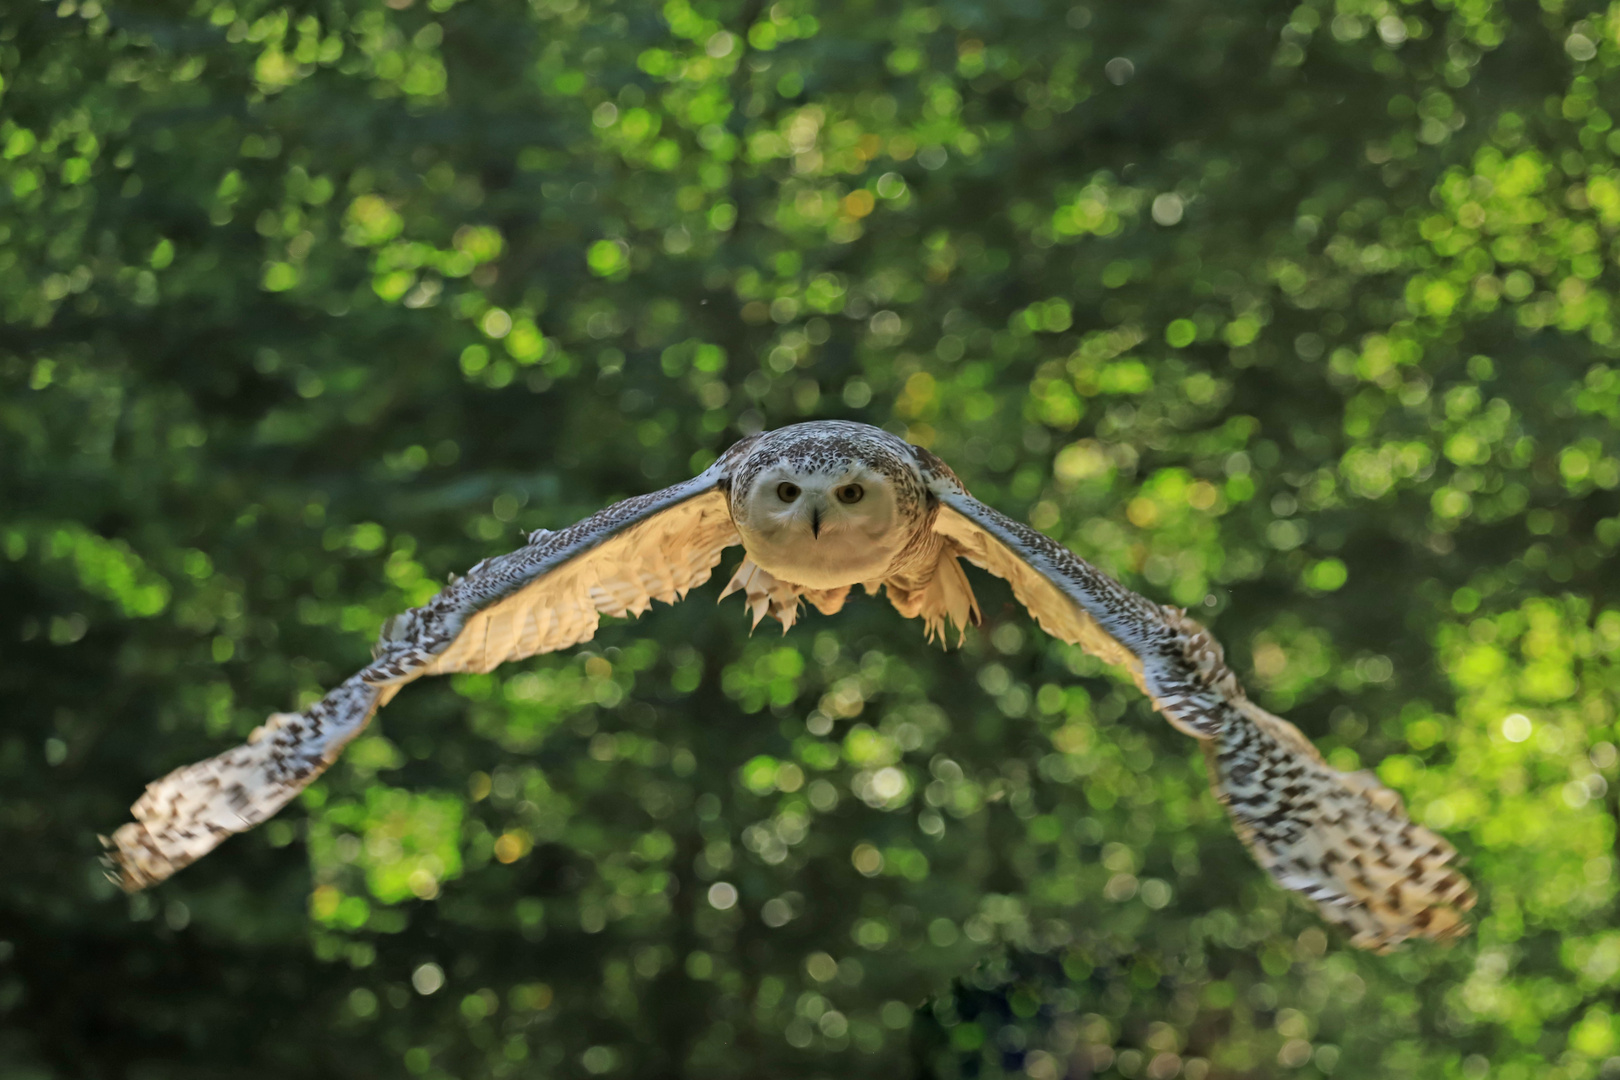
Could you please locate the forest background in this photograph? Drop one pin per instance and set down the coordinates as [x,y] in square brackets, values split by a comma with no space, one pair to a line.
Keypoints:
[1303,317]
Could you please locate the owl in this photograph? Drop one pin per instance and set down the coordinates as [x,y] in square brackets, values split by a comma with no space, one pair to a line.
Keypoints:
[819,508]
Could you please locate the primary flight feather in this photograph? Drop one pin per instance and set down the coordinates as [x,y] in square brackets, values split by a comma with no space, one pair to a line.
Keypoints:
[819,508]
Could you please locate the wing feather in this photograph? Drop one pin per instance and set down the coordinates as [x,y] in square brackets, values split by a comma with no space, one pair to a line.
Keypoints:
[1343,841]
[543,597]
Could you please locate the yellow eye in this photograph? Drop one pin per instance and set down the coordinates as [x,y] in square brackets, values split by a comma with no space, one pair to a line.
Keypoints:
[787,492]
[851,493]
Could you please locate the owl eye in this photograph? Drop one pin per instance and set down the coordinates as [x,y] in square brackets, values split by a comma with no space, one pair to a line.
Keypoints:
[787,492]
[851,493]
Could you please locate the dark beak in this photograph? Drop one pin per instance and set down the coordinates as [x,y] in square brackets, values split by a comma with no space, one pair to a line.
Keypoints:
[815,523]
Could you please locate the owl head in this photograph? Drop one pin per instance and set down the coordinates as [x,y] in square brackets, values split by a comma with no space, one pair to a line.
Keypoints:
[826,505]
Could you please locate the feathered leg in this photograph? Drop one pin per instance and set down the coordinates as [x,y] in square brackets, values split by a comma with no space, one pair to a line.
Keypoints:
[939,595]
[766,595]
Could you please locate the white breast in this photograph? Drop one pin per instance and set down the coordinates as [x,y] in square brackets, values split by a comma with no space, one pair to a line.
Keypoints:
[830,561]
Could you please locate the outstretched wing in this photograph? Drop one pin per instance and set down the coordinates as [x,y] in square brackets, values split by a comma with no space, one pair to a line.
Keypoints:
[540,598]
[1344,841]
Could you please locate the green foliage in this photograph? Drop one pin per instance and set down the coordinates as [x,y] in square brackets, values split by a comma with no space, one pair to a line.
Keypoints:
[1301,320]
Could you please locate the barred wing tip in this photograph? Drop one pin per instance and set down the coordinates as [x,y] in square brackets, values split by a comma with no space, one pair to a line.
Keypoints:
[132,859]
[543,597]
[1344,842]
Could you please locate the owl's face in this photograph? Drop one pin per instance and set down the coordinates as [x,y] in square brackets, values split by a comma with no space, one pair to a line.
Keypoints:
[821,523]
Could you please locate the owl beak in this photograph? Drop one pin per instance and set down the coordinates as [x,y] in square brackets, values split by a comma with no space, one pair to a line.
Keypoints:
[815,523]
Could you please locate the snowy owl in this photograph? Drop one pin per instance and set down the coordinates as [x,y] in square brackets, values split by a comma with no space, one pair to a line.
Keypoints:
[819,508]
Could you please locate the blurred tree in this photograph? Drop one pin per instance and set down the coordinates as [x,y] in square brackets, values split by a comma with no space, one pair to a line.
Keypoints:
[1302,318]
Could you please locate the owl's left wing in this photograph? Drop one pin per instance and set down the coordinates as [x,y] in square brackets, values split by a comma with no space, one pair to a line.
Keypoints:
[1343,840]
[545,596]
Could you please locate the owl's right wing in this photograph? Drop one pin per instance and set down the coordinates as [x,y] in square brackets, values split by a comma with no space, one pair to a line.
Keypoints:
[545,596]
[1343,840]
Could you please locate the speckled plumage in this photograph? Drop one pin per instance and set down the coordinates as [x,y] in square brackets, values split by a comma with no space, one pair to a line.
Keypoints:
[1344,841]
